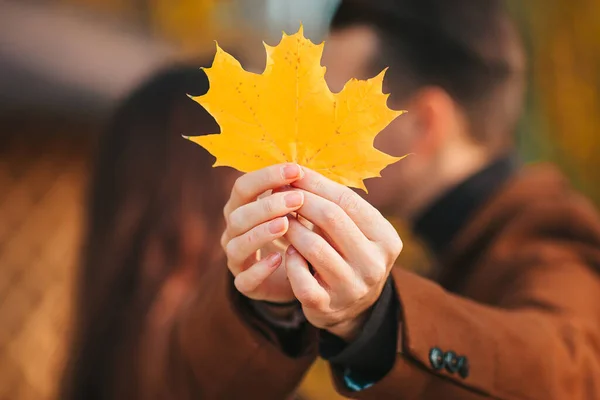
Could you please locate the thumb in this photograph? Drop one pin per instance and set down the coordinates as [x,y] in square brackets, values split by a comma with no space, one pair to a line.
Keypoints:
[304,285]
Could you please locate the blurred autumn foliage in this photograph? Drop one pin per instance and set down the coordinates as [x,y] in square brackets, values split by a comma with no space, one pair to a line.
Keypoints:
[185,22]
[562,122]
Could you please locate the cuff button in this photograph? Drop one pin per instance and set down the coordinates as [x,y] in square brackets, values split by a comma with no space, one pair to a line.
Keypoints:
[451,362]
[436,358]
[463,367]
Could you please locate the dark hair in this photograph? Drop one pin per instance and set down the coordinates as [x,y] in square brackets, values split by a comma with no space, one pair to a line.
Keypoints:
[465,47]
[153,198]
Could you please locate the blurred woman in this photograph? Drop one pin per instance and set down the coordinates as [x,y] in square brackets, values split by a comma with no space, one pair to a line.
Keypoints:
[153,220]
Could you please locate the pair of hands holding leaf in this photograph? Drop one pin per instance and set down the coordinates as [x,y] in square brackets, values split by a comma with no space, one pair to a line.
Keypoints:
[351,249]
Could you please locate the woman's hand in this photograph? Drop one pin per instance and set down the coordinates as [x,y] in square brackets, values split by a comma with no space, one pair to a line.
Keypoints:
[252,238]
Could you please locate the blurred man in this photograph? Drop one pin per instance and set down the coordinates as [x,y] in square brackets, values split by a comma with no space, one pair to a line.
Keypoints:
[512,309]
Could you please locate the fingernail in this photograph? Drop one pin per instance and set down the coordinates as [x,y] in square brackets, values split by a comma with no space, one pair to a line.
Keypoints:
[293,199]
[277,225]
[291,250]
[291,171]
[274,259]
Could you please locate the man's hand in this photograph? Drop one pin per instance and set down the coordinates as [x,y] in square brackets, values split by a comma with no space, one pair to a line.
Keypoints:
[253,225]
[352,258]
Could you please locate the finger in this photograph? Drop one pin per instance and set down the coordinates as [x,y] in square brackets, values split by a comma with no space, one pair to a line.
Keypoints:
[331,221]
[335,224]
[328,263]
[249,186]
[365,216]
[244,218]
[224,239]
[240,248]
[304,285]
[248,281]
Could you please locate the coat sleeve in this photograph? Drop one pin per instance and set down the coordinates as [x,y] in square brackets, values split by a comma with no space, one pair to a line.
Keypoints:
[231,355]
[541,340]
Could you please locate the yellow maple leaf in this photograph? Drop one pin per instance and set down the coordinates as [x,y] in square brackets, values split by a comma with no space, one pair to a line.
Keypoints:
[288,114]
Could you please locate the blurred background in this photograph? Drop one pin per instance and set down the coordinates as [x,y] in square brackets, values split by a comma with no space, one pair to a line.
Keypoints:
[65,64]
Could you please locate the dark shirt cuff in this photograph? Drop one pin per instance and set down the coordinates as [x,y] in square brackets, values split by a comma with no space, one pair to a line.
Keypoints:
[373,354]
[293,341]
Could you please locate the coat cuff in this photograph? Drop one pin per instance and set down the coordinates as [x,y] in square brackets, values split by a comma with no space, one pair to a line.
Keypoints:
[232,353]
[294,338]
[432,319]
[371,356]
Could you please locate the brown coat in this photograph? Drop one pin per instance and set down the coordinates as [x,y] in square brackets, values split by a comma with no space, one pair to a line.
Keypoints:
[519,296]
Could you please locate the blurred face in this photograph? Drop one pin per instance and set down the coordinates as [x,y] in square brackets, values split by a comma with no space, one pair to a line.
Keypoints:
[348,54]
[435,131]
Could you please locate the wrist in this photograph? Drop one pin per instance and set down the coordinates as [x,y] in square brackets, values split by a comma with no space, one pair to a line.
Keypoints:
[351,329]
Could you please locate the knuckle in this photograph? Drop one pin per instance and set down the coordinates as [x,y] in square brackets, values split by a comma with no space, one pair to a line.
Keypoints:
[349,200]
[239,187]
[361,290]
[252,237]
[394,246]
[317,251]
[331,215]
[357,287]
[374,274]
[224,240]
[226,211]
[398,246]
[232,268]
[309,298]
[235,221]
[318,184]
[230,250]
[233,253]
[268,205]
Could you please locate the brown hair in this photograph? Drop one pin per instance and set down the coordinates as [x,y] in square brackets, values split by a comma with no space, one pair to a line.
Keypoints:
[155,209]
[469,48]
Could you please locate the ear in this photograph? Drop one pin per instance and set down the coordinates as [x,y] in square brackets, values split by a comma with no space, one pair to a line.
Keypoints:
[433,111]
